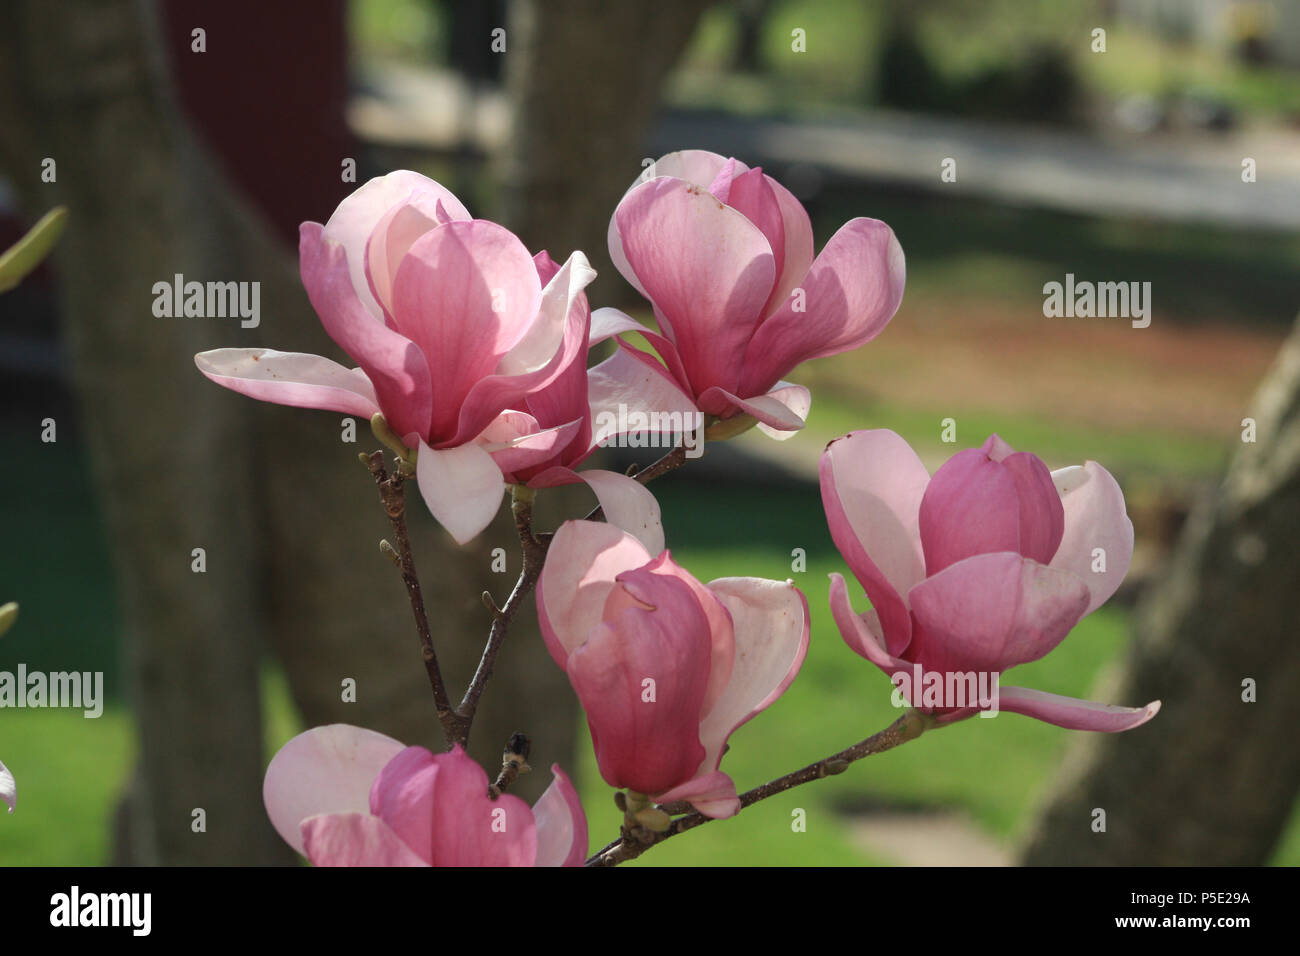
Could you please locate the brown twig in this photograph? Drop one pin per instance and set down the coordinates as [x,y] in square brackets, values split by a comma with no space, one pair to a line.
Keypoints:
[632,843]
[457,722]
[534,551]
[394,499]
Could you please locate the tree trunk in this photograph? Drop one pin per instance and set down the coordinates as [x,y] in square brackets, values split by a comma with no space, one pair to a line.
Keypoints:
[1211,781]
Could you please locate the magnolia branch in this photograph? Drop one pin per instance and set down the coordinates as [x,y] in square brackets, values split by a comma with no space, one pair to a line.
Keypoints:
[392,495]
[534,552]
[457,722]
[636,840]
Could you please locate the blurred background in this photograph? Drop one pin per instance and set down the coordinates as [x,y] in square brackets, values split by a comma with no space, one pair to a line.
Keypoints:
[1115,156]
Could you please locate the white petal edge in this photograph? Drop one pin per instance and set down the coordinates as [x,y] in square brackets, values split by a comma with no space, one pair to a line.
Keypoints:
[462,486]
[327,769]
[794,397]
[297,379]
[772,631]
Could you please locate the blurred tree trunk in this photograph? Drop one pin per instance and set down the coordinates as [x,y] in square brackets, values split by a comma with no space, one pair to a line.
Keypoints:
[173,462]
[584,78]
[288,519]
[1212,780]
[751,17]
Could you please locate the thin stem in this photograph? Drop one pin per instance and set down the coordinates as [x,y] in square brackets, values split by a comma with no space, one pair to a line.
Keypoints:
[632,843]
[534,552]
[394,499]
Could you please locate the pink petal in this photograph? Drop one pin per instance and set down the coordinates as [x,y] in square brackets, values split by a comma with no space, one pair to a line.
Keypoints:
[646,735]
[794,397]
[561,324]
[861,631]
[630,386]
[291,378]
[608,322]
[628,504]
[546,267]
[394,364]
[771,624]
[1094,518]
[770,410]
[8,788]
[1042,520]
[722,651]
[472,829]
[720,186]
[992,611]
[872,484]
[389,242]
[696,166]
[526,449]
[354,839]
[699,166]
[713,794]
[970,507]
[357,216]
[584,559]
[403,797]
[561,824]
[752,195]
[462,487]
[323,770]
[707,269]
[466,293]
[1072,713]
[851,292]
[565,398]
[798,246]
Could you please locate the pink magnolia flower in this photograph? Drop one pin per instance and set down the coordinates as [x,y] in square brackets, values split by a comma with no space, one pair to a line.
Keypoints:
[8,788]
[559,426]
[346,796]
[986,565]
[725,255]
[666,668]
[450,324]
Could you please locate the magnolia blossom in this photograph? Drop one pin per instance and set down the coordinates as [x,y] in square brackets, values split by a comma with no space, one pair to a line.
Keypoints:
[725,255]
[8,788]
[666,668]
[986,565]
[346,796]
[452,324]
[559,426]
